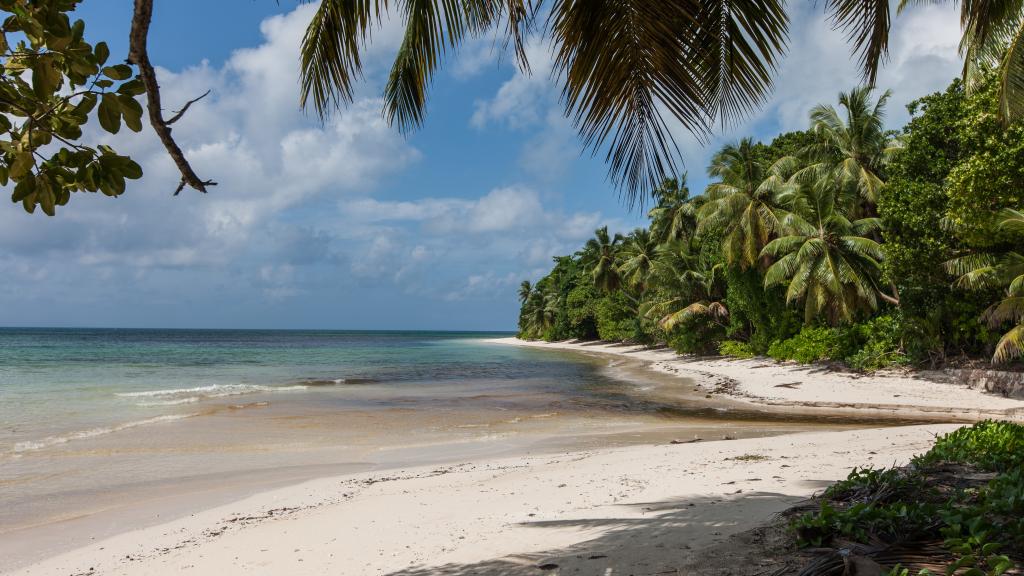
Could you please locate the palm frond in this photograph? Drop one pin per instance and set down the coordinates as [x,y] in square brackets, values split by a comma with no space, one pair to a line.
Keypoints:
[1010,346]
[330,51]
[866,25]
[1011,87]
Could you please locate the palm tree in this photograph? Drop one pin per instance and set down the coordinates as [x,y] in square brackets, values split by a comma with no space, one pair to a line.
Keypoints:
[744,202]
[674,216]
[599,255]
[624,65]
[852,147]
[687,287]
[637,257]
[980,271]
[825,258]
[524,291]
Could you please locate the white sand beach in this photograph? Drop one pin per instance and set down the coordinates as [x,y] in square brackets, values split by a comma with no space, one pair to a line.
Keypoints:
[765,383]
[645,509]
[637,510]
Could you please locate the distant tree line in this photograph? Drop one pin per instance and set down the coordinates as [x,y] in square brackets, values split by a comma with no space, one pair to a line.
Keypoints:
[842,242]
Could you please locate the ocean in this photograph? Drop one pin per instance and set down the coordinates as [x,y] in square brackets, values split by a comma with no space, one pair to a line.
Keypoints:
[103,426]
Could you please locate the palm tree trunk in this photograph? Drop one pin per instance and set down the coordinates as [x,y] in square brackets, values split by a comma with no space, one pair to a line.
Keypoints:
[894,299]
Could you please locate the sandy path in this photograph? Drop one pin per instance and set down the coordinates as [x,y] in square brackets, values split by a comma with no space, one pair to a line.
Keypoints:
[764,382]
[637,510]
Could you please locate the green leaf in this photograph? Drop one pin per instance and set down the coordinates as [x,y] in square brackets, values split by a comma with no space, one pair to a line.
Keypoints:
[118,72]
[133,87]
[22,164]
[110,113]
[47,199]
[132,112]
[104,83]
[102,52]
[990,548]
[45,77]
[1002,566]
[129,168]
[23,189]
[86,104]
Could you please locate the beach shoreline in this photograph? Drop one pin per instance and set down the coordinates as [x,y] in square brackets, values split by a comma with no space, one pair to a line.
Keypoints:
[809,389]
[638,508]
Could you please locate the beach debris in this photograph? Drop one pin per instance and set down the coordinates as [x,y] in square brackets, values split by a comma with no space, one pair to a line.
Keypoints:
[788,385]
[548,566]
[686,441]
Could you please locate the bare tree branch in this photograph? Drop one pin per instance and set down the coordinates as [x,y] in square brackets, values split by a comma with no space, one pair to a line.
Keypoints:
[138,54]
[177,115]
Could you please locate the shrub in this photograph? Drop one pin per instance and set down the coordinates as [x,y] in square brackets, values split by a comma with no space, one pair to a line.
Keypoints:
[696,335]
[880,343]
[615,319]
[735,348]
[809,345]
[990,445]
[975,519]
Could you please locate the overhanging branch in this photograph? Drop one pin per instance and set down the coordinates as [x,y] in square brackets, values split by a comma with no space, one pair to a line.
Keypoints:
[138,55]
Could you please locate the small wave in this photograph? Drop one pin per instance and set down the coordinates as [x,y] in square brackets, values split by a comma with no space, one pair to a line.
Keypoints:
[339,381]
[31,445]
[175,402]
[174,396]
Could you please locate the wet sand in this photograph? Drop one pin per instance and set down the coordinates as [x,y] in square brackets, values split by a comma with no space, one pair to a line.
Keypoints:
[83,492]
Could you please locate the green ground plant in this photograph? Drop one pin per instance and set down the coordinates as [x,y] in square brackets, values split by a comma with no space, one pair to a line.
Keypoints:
[965,494]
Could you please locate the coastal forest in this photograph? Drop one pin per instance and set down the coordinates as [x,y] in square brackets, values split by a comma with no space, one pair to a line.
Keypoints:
[843,242]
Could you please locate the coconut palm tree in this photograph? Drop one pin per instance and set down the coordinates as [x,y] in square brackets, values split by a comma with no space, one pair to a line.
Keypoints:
[600,256]
[674,216]
[744,202]
[524,291]
[636,258]
[824,258]
[851,146]
[686,287]
[626,66]
[980,271]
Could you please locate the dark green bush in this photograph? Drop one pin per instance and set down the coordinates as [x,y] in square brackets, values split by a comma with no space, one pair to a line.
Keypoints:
[880,343]
[735,348]
[991,445]
[697,335]
[809,345]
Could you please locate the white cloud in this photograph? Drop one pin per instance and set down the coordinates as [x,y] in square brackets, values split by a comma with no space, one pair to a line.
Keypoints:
[818,66]
[523,100]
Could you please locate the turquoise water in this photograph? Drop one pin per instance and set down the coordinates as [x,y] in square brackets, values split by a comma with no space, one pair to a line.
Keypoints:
[101,428]
[63,385]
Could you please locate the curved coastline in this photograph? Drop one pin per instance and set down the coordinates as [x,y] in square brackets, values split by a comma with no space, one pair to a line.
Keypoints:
[764,384]
[638,508]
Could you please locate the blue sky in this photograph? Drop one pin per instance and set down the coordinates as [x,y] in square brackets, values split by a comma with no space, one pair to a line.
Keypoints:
[347,224]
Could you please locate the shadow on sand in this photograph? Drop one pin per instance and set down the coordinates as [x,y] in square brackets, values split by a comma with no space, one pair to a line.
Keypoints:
[685,536]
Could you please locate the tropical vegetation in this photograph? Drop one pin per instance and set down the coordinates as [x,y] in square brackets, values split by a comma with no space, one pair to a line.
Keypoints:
[956,509]
[843,242]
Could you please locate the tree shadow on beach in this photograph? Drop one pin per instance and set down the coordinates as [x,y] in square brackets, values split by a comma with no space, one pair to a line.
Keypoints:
[673,537]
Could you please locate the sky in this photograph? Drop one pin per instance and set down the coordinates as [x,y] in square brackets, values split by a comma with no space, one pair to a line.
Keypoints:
[346,224]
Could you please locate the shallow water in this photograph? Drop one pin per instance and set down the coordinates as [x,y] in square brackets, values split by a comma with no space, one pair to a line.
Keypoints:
[106,429]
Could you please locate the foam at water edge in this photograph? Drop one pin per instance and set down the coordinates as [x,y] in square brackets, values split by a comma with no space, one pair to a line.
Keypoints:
[174,396]
[28,446]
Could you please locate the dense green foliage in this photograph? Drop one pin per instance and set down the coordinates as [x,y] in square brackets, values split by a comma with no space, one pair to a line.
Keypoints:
[976,519]
[51,82]
[846,242]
